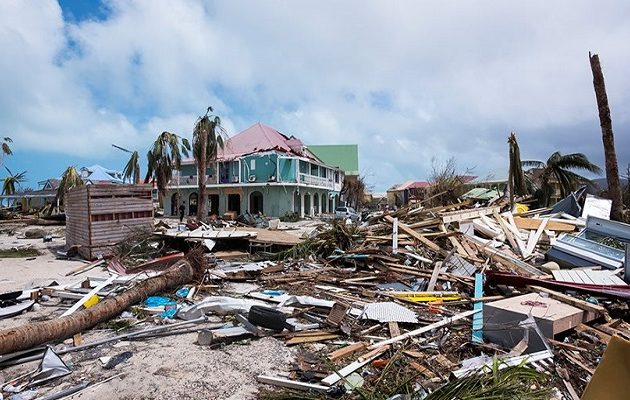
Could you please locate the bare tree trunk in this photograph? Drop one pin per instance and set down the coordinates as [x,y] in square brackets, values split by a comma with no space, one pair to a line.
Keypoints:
[34,334]
[202,166]
[612,169]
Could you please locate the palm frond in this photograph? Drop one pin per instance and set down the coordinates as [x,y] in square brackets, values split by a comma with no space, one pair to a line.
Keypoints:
[577,161]
[131,172]
[163,157]
[533,163]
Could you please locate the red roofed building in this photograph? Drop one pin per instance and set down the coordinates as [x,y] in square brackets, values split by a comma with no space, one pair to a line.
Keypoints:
[260,170]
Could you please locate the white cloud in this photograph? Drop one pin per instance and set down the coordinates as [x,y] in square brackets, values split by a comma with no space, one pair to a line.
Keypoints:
[407,81]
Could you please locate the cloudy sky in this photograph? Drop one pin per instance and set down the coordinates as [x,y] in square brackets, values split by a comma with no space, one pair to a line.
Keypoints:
[409,81]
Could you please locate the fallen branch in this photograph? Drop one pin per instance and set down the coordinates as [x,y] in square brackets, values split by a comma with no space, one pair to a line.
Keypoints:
[31,335]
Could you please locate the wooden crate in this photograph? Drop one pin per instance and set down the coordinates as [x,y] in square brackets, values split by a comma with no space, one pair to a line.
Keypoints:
[100,216]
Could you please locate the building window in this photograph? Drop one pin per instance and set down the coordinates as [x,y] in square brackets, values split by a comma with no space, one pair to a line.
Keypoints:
[252,164]
[314,170]
[336,176]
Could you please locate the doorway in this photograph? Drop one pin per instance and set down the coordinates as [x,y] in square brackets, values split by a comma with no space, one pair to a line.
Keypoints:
[213,199]
[256,202]
[234,203]
[192,203]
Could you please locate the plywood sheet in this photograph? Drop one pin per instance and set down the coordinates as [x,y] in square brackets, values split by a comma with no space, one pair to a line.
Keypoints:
[533,224]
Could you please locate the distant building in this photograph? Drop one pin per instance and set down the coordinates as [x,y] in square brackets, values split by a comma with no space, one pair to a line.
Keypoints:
[259,170]
[412,191]
[47,189]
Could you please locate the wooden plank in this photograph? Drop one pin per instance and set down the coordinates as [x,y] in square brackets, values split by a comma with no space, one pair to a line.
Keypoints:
[348,369]
[454,216]
[346,351]
[604,337]
[92,292]
[534,224]
[394,330]
[423,370]
[416,235]
[310,339]
[533,241]
[507,232]
[434,276]
[424,329]
[287,383]
[504,258]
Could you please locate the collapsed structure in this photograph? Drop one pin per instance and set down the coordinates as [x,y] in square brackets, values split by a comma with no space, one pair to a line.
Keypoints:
[430,302]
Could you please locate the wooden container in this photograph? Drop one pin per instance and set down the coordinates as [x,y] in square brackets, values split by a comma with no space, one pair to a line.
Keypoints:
[103,215]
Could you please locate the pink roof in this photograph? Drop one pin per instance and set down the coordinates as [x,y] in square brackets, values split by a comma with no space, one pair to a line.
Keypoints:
[259,138]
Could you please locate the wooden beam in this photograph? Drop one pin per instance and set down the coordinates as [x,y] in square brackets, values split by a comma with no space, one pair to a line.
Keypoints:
[346,351]
[394,330]
[92,292]
[424,329]
[426,242]
[287,383]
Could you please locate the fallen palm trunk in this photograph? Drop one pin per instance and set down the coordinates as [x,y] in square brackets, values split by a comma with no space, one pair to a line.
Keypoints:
[27,336]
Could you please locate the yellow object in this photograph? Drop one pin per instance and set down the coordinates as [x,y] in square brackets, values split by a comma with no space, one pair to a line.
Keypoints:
[520,208]
[427,296]
[92,301]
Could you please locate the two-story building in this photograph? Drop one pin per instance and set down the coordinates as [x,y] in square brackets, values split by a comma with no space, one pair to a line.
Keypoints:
[259,170]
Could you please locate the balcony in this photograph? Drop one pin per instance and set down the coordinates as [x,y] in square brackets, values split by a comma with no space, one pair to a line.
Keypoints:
[317,181]
[187,180]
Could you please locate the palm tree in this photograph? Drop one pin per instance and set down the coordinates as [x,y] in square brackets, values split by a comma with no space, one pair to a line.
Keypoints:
[207,140]
[608,139]
[70,178]
[12,181]
[516,179]
[164,156]
[131,173]
[559,168]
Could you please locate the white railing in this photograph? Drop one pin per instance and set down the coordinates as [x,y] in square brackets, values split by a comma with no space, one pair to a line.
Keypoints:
[316,181]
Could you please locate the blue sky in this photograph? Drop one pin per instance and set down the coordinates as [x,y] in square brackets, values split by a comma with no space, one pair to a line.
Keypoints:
[409,81]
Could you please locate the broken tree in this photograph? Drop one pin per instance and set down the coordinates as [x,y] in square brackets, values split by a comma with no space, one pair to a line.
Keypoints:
[31,335]
[612,169]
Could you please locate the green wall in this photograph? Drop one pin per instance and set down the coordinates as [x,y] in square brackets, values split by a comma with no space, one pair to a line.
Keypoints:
[287,169]
[264,167]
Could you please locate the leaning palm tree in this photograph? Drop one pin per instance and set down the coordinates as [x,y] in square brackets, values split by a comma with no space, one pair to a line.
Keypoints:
[516,178]
[164,156]
[558,169]
[207,140]
[11,182]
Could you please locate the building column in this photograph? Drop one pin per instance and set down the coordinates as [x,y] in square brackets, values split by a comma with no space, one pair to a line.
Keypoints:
[319,204]
[301,205]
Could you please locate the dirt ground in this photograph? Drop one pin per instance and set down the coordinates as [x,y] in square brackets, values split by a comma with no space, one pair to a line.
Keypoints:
[171,367]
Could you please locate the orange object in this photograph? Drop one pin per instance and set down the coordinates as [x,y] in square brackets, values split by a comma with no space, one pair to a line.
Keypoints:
[435,306]
[380,363]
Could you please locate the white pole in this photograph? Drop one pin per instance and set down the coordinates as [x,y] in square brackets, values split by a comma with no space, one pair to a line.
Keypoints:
[395,236]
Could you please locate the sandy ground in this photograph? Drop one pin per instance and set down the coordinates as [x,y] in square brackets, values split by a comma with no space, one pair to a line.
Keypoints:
[172,367]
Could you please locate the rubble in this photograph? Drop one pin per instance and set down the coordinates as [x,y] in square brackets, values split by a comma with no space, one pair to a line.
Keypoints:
[427,302]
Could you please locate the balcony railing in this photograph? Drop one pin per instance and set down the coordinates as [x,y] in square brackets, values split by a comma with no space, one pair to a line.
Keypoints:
[317,181]
[187,180]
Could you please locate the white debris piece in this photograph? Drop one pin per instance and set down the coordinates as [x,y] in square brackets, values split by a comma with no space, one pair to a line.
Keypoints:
[388,311]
